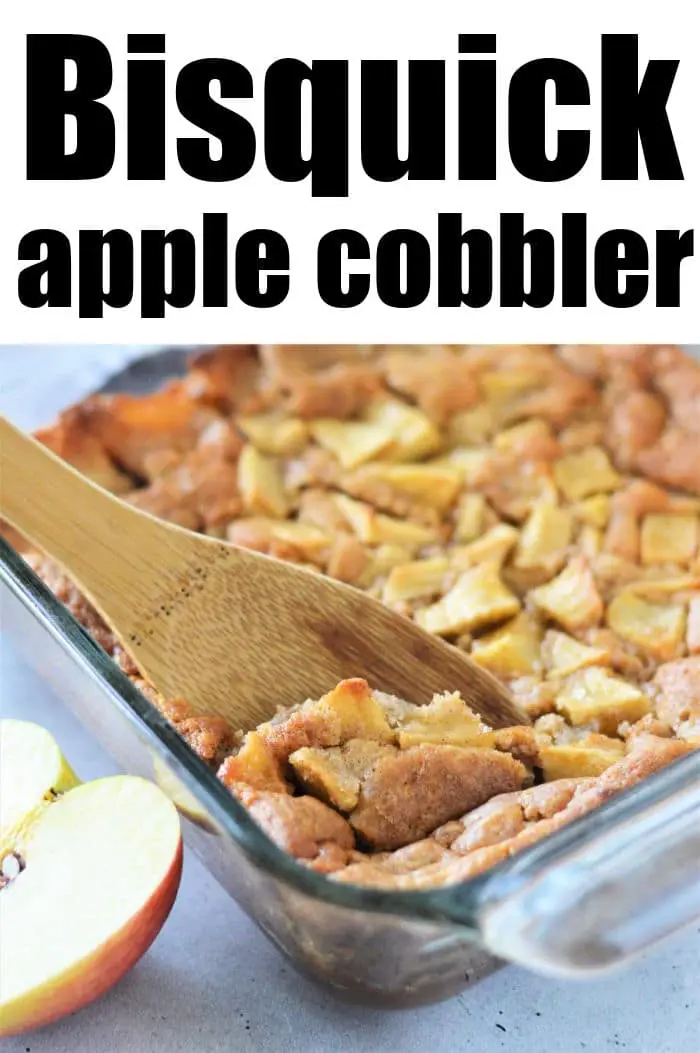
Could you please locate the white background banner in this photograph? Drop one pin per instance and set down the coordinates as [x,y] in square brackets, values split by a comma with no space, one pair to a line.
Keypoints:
[258,34]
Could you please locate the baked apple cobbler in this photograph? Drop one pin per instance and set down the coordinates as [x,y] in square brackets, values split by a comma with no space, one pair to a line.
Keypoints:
[539,507]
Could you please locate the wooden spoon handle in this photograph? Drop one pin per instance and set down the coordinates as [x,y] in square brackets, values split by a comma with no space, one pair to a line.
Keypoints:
[232,631]
[73,520]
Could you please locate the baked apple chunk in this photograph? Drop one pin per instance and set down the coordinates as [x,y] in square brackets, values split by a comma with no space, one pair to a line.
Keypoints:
[571,599]
[478,598]
[596,699]
[656,628]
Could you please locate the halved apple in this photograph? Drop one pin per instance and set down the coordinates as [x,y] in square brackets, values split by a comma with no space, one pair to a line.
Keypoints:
[89,874]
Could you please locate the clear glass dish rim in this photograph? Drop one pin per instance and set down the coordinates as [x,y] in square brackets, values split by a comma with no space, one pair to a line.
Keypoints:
[460,903]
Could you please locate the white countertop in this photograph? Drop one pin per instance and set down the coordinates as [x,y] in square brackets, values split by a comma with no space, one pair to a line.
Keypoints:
[212,982]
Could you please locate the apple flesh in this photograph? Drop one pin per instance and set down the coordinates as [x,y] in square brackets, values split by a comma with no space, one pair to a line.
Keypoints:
[89,879]
[30,784]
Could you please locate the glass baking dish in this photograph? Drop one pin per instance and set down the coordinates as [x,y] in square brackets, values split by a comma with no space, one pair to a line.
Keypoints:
[591,896]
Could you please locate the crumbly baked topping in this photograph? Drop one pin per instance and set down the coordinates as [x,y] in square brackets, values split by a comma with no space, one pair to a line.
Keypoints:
[537,506]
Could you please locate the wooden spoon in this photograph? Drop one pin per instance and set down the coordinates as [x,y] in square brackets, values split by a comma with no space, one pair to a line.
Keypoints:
[232,631]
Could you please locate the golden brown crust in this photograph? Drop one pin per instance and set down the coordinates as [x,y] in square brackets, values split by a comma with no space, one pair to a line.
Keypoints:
[299,825]
[678,703]
[211,738]
[72,440]
[537,506]
[508,824]
[636,422]
[520,742]
[440,382]
[226,377]
[410,793]
[319,382]
[144,433]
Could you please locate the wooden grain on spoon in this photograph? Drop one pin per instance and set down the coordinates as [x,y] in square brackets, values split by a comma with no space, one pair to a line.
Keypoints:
[232,631]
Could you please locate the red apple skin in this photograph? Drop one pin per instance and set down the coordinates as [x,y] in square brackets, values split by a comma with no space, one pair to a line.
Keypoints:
[95,975]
